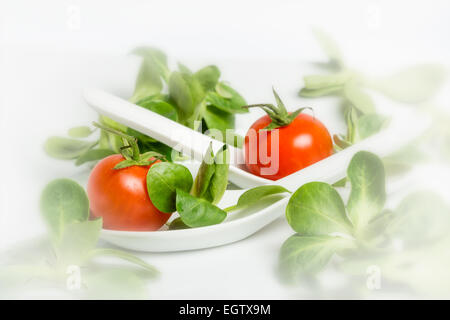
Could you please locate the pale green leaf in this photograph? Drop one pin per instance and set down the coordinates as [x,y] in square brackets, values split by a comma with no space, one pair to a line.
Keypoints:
[368,195]
[67,148]
[63,202]
[317,209]
[302,256]
[79,132]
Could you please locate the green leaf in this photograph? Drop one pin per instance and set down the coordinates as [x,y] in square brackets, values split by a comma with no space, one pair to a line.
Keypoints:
[314,82]
[153,68]
[403,159]
[183,68]
[109,140]
[219,180]
[196,212]
[340,183]
[218,119]
[148,82]
[177,224]
[226,99]
[255,195]
[161,148]
[351,118]
[212,177]
[160,107]
[208,77]
[317,209]
[155,103]
[112,124]
[66,148]
[77,241]
[63,202]
[204,174]
[341,142]
[156,56]
[93,155]
[358,98]
[420,217]
[412,85]
[225,104]
[142,138]
[329,46]
[79,132]
[368,195]
[123,255]
[163,180]
[309,93]
[224,91]
[186,91]
[367,125]
[307,255]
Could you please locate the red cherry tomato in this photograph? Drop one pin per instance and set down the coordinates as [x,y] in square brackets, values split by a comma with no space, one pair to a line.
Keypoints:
[120,197]
[301,143]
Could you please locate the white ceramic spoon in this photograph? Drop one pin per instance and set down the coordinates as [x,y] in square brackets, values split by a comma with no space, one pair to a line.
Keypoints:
[403,128]
[173,134]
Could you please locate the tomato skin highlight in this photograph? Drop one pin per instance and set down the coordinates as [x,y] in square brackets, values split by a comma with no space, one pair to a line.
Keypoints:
[301,143]
[120,197]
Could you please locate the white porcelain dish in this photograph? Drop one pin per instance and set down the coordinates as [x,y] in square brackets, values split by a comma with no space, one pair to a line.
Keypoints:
[404,127]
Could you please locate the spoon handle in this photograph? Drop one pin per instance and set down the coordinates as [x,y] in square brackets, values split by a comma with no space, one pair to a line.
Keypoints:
[181,138]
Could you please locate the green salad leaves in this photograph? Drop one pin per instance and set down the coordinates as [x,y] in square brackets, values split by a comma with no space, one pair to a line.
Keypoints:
[195,99]
[171,187]
[363,233]
[413,85]
[324,225]
[163,181]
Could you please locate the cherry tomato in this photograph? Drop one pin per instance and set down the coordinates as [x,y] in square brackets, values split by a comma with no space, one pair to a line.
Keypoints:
[301,143]
[120,197]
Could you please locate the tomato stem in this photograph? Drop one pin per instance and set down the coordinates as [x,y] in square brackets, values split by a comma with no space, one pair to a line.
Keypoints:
[278,114]
[130,140]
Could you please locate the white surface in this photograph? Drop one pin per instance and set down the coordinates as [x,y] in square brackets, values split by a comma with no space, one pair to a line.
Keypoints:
[47,60]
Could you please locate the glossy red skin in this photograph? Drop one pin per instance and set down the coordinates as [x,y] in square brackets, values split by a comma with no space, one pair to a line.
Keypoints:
[303,142]
[120,197]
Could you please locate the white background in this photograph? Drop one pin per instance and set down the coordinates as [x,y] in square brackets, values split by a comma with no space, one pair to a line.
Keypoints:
[52,49]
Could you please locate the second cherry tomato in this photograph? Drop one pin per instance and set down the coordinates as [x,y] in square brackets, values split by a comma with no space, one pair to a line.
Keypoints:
[292,141]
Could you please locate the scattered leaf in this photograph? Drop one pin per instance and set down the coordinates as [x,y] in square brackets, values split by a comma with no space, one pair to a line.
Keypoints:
[255,195]
[367,197]
[196,212]
[317,209]
[412,85]
[307,255]
[93,155]
[66,148]
[79,132]
[63,202]
[208,77]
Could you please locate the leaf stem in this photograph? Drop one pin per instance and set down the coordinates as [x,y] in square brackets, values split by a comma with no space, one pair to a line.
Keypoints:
[132,141]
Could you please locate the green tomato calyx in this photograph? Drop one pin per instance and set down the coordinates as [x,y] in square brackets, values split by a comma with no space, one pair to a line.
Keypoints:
[278,114]
[130,150]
